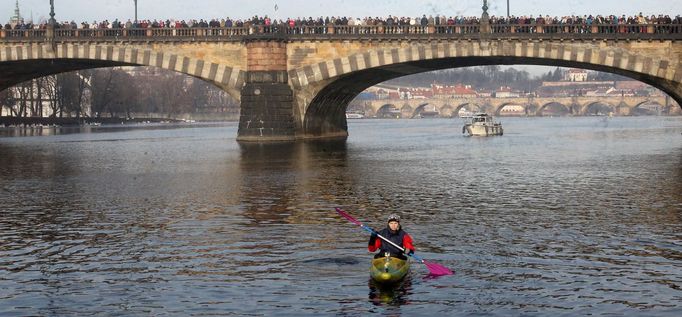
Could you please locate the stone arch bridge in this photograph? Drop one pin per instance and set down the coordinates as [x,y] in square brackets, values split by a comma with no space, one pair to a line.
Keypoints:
[577,106]
[297,83]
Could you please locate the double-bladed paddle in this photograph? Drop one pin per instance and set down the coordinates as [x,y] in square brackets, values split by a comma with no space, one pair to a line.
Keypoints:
[434,268]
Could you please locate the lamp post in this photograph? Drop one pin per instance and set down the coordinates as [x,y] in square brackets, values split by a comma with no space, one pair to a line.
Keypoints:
[485,19]
[485,15]
[508,9]
[135,10]
[52,21]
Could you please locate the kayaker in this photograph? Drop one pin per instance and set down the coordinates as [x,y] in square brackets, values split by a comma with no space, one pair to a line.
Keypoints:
[395,233]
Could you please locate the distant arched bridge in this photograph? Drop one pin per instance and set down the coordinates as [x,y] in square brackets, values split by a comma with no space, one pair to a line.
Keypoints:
[577,106]
[296,84]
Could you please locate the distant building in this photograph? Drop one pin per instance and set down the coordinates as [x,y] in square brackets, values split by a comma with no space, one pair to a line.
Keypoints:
[576,75]
[631,85]
[506,92]
[415,93]
[606,92]
[16,18]
[567,89]
[381,93]
[624,88]
[484,94]
[579,83]
[457,91]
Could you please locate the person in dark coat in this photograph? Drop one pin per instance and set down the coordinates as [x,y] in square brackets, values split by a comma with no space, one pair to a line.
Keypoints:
[394,233]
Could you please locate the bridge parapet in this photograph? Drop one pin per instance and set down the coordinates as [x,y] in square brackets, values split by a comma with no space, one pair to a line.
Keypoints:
[457,31]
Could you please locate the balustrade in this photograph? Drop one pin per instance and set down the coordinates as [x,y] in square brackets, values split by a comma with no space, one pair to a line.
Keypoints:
[548,30]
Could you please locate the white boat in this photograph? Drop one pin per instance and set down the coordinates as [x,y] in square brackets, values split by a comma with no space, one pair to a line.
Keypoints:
[352,115]
[482,124]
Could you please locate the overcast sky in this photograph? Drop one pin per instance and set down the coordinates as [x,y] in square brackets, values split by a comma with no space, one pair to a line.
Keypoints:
[82,10]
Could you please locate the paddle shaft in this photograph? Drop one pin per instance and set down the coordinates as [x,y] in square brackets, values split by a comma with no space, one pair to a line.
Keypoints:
[372,231]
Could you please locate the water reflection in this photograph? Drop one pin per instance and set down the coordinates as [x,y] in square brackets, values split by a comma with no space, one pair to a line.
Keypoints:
[278,176]
[52,130]
[392,295]
[29,131]
[28,162]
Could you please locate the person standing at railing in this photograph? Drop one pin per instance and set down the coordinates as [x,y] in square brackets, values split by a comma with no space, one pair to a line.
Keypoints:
[292,26]
[390,22]
[412,25]
[321,26]
[450,25]
[423,23]
[641,20]
[268,24]
[94,26]
[351,25]
[611,23]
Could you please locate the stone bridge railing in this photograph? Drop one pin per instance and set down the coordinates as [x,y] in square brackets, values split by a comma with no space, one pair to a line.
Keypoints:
[473,31]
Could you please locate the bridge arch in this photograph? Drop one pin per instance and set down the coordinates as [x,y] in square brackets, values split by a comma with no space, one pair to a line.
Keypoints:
[420,109]
[388,110]
[638,107]
[24,63]
[541,110]
[598,107]
[500,107]
[324,89]
[469,106]
[648,101]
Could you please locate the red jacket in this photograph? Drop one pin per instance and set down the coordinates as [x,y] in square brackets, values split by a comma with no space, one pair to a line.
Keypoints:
[406,241]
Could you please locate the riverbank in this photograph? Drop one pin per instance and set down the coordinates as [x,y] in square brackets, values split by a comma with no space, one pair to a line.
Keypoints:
[41,121]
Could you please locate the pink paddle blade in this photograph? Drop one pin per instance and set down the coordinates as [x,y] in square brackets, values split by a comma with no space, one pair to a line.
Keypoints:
[347,216]
[437,269]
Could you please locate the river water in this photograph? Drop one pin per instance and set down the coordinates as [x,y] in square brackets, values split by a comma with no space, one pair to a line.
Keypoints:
[560,216]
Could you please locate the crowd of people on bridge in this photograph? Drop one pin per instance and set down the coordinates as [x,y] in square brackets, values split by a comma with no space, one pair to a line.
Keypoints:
[391,24]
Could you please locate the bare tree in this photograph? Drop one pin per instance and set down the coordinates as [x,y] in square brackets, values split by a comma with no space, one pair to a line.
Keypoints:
[172,95]
[71,90]
[102,94]
[7,100]
[51,93]
[126,94]
[115,91]
[198,92]
[65,99]
[23,91]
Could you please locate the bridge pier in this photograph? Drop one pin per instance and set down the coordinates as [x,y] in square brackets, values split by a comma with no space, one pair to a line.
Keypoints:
[267,100]
[267,104]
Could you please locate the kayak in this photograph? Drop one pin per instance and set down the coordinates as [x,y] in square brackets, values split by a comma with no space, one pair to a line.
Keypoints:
[388,269]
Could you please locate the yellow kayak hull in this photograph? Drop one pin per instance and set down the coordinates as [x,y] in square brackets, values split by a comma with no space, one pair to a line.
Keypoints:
[386,270]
